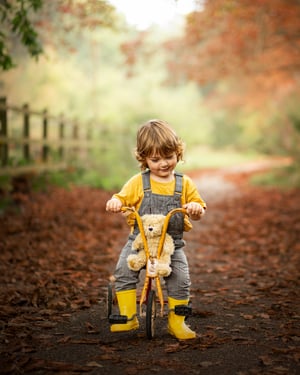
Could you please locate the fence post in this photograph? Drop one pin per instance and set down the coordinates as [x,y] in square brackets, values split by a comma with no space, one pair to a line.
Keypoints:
[3,132]
[26,132]
[89,137]
[75,139]
[45,136]
[61,136]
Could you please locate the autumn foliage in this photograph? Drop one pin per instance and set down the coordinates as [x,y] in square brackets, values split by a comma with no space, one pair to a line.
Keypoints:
[252,45]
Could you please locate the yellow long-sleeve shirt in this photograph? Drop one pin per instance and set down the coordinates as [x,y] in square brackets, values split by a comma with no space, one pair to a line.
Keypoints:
[132,194]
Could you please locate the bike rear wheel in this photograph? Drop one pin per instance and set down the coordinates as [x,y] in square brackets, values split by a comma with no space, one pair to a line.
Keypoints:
[151,314]
[109,300]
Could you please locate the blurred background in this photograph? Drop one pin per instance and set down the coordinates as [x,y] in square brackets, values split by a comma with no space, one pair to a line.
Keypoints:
[223,73]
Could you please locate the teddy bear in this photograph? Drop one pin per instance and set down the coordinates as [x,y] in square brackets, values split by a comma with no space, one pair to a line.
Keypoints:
[153,226]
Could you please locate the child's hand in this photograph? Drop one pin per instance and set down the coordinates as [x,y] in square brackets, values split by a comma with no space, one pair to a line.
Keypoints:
[113,205]
[194,210]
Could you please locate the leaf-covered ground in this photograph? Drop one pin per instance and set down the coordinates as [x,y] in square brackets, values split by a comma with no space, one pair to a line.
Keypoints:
[58,249]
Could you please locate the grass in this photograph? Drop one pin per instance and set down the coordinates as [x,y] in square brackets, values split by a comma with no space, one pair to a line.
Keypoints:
[67,178]
[206,158]
[284,178]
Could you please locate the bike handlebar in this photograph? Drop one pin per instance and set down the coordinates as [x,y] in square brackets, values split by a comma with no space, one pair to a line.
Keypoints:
[164,229]
[170,213]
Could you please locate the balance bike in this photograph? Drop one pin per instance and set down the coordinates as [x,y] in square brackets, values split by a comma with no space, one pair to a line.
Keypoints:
[152,283]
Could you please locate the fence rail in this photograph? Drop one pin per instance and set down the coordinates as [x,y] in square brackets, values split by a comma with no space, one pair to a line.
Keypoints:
[36,140]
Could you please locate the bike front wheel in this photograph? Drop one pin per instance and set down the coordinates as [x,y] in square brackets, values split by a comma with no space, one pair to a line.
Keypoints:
[151,314]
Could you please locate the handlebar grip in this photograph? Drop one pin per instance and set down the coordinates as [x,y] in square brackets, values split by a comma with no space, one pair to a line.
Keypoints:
[126,208]
[175,210]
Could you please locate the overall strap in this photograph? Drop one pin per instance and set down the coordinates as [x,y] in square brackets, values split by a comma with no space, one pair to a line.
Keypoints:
[178,183]
[146,180]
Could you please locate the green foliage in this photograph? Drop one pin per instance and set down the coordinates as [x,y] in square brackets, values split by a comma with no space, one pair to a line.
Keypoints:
[6,61]
[285,178]
[58,18]
[6,200]
[15,17]
[293,111]
[5,183]
[296,122]
[64,179]
[91,177]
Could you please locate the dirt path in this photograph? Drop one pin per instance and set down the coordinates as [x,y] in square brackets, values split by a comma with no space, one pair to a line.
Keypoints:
[244,263]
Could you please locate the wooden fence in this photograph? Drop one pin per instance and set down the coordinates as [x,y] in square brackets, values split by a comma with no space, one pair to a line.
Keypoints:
[36,141]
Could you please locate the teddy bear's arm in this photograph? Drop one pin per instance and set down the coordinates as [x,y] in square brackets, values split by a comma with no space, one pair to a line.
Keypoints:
[137,244]
[136,261]
[168,247]
[163,266]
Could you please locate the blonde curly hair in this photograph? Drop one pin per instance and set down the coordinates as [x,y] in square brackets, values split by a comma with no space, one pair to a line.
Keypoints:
[156,137]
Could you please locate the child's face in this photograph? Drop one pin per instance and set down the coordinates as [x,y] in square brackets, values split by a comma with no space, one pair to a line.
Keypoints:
[162,166]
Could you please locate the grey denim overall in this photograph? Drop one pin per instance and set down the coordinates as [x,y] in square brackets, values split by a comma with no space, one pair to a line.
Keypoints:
[178,282]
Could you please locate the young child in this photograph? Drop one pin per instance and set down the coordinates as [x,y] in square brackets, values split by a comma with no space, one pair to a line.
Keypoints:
[157,190]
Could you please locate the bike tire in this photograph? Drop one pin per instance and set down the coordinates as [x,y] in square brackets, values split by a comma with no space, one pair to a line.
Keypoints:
[151,314]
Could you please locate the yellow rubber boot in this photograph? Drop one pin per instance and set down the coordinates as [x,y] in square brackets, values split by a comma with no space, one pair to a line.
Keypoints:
[127,306]
[176,323]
